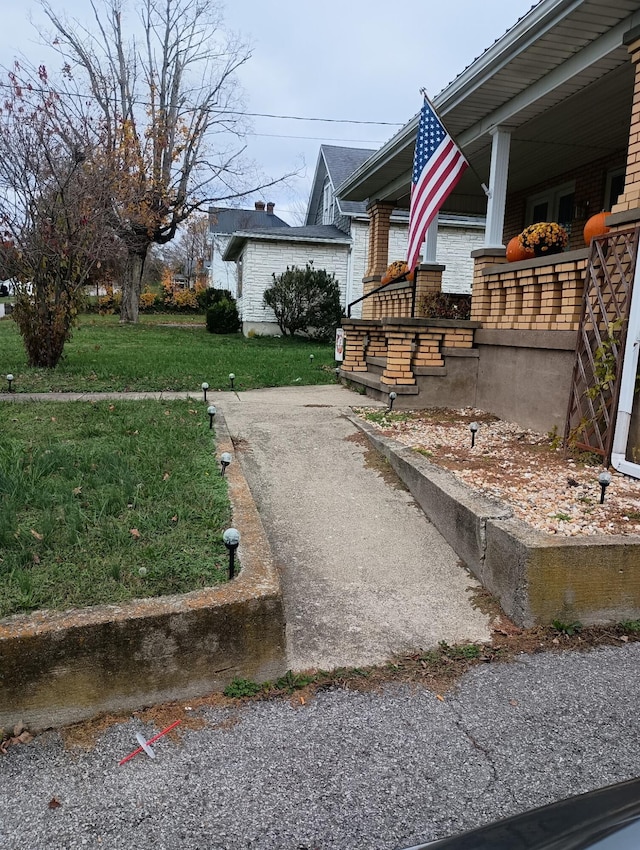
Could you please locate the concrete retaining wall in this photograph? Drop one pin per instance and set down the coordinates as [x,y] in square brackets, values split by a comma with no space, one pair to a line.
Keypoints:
[61,667]
[536,577]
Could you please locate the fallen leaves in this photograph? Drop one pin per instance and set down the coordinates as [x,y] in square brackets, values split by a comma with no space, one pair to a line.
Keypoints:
[20,736]
[54,803]
[135,533]
[36,534]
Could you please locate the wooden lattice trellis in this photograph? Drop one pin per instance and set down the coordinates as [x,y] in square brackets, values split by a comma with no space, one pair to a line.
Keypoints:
[602,334]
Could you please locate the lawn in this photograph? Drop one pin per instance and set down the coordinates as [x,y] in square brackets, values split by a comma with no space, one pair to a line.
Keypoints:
[105,502]
[106,356]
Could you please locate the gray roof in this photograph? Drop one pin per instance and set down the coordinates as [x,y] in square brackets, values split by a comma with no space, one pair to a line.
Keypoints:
[224,220]
[338,163]
[312,233]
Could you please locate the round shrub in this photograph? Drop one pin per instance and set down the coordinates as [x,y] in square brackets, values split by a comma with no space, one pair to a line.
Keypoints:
[222,317]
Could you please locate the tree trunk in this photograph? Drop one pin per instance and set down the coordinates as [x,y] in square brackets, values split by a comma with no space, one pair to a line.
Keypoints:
[132,286]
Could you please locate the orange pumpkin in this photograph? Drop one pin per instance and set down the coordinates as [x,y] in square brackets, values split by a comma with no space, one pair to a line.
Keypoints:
[595,226]
[516,252]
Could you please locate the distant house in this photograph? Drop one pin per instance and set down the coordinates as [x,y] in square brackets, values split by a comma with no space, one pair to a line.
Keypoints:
[223,223]
[335,237]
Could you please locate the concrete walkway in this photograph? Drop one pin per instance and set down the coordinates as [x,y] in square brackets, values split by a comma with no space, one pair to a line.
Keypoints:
[364,573]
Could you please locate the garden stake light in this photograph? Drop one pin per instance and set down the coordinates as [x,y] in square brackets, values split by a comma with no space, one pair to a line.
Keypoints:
[232,378]
[311,359]
[205,387]
[474,430]
[231,539]
[10,382]
[225,460]
[604,479]
[211,410]
[392,398]
[144,745]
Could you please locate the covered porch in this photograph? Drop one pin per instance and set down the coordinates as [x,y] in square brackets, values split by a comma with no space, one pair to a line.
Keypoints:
[549,118]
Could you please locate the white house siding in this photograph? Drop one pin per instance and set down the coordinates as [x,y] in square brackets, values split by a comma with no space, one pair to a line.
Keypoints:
[455,244]
[222,275]
[262,259]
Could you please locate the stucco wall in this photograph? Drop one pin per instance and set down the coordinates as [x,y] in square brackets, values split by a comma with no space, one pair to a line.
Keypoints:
[262,259]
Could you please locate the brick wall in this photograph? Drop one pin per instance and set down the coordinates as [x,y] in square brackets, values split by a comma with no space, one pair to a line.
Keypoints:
[262,259]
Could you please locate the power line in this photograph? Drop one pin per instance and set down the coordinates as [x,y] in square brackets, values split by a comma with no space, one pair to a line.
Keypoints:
[81,96]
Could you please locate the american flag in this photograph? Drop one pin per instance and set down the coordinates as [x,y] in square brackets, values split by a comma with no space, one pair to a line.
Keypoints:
[438,164]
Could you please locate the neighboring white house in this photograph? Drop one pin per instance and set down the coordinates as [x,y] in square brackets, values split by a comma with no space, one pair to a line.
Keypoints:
[223,223]
[335,238]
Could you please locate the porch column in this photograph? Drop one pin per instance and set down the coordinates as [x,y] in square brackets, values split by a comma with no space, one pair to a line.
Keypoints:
[379,224]
[431,242]
[493,237]
[630,198]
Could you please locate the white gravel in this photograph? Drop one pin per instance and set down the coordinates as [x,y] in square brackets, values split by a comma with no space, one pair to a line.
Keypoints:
[525,469]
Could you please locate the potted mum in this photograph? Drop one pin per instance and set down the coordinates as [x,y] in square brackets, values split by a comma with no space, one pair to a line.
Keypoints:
[544,237]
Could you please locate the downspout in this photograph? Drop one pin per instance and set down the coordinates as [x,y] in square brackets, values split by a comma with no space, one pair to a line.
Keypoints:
[627,386]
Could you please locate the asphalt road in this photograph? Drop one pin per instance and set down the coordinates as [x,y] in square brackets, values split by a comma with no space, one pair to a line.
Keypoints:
[346,770]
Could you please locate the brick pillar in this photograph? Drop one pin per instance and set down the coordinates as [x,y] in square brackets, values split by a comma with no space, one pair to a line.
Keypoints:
[630,198]
[428,281]
[379,222]
[480,294]
[399,355]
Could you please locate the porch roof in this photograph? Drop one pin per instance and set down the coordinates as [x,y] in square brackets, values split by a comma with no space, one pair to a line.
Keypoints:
[560,80]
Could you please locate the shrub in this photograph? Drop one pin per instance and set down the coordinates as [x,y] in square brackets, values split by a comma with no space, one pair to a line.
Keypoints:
[207,296]
[110,303]
[443,305]
[148,299]
[222,316]
[305,301]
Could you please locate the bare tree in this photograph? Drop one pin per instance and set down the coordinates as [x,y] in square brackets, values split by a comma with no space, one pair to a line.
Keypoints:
[51,235]
[188,253]
[171,113]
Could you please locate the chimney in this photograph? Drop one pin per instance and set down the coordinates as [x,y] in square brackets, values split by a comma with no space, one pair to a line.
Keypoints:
[270,207]
[260,206]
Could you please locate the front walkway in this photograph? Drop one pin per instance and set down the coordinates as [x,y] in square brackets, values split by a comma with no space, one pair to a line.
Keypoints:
[365,574]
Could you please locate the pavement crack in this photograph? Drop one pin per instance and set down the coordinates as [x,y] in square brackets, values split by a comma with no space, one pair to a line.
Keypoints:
[494,779]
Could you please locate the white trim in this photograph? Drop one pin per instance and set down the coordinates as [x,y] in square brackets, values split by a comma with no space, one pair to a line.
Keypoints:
[627,386]
[499,175]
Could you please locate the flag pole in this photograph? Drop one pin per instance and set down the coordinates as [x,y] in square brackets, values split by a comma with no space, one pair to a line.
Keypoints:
[484,186]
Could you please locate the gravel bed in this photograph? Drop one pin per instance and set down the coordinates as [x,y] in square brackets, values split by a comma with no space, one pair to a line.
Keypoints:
[527,470]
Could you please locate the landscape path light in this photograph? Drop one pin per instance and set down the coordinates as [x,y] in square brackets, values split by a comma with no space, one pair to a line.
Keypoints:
[311,359]
[231,539]
[232,378]
[10,382]
[205,387]
[604,479]
[473,427]
[225,460]
[392,397]
[211,410]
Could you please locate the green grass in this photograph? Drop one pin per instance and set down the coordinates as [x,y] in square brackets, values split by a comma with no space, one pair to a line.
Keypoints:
[106,356]
[105,502]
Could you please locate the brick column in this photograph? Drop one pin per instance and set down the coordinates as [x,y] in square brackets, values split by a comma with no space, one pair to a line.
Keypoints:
[399,355]
[379,222]
[630,198]
[428,281]
[480,293]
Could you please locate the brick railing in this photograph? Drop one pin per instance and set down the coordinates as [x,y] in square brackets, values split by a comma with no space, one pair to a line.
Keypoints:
[541,294]
[407,345]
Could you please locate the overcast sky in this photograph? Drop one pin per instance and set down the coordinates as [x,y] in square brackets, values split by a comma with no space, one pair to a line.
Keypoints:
[360,60]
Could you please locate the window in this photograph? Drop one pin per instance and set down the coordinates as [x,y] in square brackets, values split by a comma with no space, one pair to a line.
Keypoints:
[327,203]
[614,187]
[553,205]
